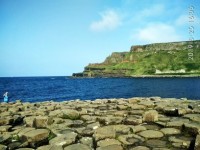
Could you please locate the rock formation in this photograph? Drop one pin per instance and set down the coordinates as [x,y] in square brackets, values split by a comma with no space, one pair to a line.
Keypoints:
[103,124]
[175,58]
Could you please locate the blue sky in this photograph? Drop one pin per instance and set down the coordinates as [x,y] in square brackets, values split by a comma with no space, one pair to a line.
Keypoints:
[60,37]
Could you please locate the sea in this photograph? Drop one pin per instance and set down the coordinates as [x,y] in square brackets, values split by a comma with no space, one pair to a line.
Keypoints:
[38,89]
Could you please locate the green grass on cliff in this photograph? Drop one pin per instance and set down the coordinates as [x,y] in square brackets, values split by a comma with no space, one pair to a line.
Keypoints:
[163,58]
[146,62]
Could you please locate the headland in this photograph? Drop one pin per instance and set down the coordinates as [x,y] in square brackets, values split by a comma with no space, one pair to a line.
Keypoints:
[173,59]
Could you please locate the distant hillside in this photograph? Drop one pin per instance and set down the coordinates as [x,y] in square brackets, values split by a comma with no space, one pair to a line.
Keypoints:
[153,59]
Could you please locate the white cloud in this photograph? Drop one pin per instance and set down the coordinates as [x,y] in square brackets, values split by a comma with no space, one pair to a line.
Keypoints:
[156,32]
[154,10]
[184,20]
[109,21]
[148,13]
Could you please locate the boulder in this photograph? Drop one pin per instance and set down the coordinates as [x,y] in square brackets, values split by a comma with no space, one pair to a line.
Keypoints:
[133,120]
[70,114]
[180,142]
[121,113]
[104,132]
[151,134]
[133,101]
[50,147]
[29,121]
[150,116]
[152,126]
[155,143]
[163,118]
[192,127]
[163,149]
[148,104]
[130,139]
[6,114]
[136,112]
[3,147]
[13,110]
[61,129]
[58,120]
[25,149]
[137,107]
[86,131]
[107,142]
[140,148]
[138,128]
[170,111]
[87,141]
[170,131]
[177,123]
[6,120]
[77,123]
[23,131]
[122,129]
[94,125]
[197,142]
[4,138]
[35,137]
[17,120]
[64,140]
[160,123]
[42,121]
[77,147]
[193,117]
[182,111]
[111,147]
[5,128]
[55,113]
[88,118]
[122,107]
[14,145]
[109,120]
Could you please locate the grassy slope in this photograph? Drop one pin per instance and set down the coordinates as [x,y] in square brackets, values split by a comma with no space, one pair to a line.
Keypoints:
[146,62]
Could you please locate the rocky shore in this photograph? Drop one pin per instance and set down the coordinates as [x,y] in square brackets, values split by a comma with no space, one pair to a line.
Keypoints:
[143,76]
[104,124]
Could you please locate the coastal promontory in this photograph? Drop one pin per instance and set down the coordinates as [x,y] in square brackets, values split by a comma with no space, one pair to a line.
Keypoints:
[158,59]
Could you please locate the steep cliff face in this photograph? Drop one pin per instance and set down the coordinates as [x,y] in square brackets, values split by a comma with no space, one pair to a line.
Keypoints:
[163,46]
[176,58]
[115,57]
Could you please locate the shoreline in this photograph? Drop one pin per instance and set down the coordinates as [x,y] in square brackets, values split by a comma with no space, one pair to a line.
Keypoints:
[166,76]
[102,124]
[143,76]
[134,76]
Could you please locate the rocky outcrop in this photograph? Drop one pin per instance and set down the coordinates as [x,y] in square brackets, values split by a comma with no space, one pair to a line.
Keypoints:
[165,46]
[107,124]
[153,59]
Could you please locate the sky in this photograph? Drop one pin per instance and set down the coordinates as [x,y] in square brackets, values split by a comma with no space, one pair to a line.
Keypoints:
[61,37]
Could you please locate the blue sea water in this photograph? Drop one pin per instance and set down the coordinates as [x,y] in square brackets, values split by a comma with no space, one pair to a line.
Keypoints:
[34,89]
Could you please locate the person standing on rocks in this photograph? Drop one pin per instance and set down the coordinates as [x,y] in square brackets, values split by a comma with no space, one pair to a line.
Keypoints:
[5,95]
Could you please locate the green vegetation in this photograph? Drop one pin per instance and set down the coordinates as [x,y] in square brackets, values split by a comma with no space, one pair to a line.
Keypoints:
[51,136]
[146,63]
[71,117]
[15,137]
[153,59]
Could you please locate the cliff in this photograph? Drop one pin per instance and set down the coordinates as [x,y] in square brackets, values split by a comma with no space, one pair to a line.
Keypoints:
[175,58]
